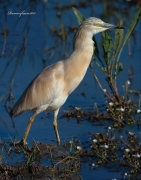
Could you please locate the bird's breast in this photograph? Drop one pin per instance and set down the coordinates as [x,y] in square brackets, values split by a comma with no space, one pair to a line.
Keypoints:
[57,103]
[77,69]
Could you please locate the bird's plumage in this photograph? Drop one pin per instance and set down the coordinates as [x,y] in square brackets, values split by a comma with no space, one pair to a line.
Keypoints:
[50,89]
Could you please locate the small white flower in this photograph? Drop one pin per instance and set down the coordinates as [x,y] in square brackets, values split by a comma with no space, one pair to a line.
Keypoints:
[127,150]
[109,127]
[125,174]
[104,90]
[77,108]
[122,109]
[105,146]
[79,148]
[131,133]
[137,155]
[93,164]
[95,140]
[111,103]
[138,111]
[128,82]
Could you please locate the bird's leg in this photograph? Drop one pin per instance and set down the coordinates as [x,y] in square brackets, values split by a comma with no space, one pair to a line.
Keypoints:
[23,141]
[55,126]
[27,129]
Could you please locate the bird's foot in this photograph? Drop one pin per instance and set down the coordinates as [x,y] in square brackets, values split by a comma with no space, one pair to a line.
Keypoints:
[21,142]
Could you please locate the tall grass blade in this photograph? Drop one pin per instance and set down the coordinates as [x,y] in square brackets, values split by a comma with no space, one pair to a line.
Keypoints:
[79,16]
[130,30]
[118,40]
[107,45]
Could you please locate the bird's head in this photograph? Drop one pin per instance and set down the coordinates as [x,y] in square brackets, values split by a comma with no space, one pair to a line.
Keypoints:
[90,27]
[95,25]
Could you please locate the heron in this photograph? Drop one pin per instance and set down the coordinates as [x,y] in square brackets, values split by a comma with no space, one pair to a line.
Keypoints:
[51,87]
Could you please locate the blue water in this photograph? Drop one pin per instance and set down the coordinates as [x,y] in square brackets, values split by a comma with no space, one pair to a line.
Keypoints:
[21,67]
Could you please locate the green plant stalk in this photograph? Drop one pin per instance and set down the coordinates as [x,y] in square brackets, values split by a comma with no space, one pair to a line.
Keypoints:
[99,82]
[130,30]
[116,92]
[96,52]
[117,44]
[31,158]
[107,45]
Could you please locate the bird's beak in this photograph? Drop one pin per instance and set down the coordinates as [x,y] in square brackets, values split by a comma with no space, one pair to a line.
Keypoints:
[118,27]
[110,26]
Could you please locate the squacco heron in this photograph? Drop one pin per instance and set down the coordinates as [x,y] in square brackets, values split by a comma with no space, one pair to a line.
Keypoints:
[50,88]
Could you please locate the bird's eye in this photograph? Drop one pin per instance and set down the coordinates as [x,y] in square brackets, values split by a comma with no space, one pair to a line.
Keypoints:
[96,24]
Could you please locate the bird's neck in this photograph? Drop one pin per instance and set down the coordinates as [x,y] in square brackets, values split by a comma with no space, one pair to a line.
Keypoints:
[83,51]
[78,63]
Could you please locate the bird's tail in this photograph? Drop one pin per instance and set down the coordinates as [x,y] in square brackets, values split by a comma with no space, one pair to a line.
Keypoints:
[16,110]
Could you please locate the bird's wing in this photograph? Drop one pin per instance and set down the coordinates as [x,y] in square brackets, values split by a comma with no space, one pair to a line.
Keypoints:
[43,89]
